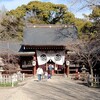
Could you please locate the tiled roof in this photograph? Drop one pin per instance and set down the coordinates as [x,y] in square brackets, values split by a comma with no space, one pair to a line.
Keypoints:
[11,47]
[49,35]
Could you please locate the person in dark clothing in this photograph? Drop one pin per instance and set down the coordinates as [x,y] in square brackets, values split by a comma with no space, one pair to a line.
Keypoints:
[50,70]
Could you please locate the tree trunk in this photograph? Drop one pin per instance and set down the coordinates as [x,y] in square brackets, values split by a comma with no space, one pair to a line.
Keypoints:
[91,70]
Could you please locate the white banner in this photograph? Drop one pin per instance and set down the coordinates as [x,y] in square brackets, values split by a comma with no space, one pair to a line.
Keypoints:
[44,57]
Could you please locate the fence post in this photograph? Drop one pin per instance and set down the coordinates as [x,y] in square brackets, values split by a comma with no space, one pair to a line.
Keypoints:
[0,78]
[23,76]
[98,80]
[94,80]
[12,82]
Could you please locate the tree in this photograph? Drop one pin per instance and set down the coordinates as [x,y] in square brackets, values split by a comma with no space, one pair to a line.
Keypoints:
[86,52]
[11,27]
[89,51]
[94,5]
[10,62]
[19,12]
[79,24]
[87,28]
[86,3]
[95,17]
[43,13]
[68,18]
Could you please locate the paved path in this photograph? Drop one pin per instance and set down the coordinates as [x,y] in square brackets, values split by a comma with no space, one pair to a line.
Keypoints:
[57,88]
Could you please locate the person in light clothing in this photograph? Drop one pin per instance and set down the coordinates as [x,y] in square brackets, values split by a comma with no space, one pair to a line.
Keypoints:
[46,75]
[39,73]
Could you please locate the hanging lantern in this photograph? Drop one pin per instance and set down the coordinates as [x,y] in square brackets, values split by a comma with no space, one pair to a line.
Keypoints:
[34,63]
[67,62]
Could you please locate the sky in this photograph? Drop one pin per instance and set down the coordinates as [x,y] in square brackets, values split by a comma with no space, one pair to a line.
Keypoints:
[13,4]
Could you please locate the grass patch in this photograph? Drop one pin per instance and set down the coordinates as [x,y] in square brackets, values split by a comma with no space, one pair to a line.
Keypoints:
[8,84]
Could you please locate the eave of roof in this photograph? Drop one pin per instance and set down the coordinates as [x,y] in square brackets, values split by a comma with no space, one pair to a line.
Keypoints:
[25,53]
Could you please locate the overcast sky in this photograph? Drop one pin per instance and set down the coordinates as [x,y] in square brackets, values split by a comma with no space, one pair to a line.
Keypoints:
[13,4]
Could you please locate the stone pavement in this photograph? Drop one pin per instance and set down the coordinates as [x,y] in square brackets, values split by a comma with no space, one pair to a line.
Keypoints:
[57,88]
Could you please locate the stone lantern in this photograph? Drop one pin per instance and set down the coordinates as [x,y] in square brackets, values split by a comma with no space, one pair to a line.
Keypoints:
[83,69]
[83,72]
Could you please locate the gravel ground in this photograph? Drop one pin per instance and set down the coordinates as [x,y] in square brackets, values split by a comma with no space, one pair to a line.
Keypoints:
[57,88]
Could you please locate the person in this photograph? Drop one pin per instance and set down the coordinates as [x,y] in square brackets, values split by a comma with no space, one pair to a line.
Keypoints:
[50,70]
[46,75]
[39,73]
[49,76]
